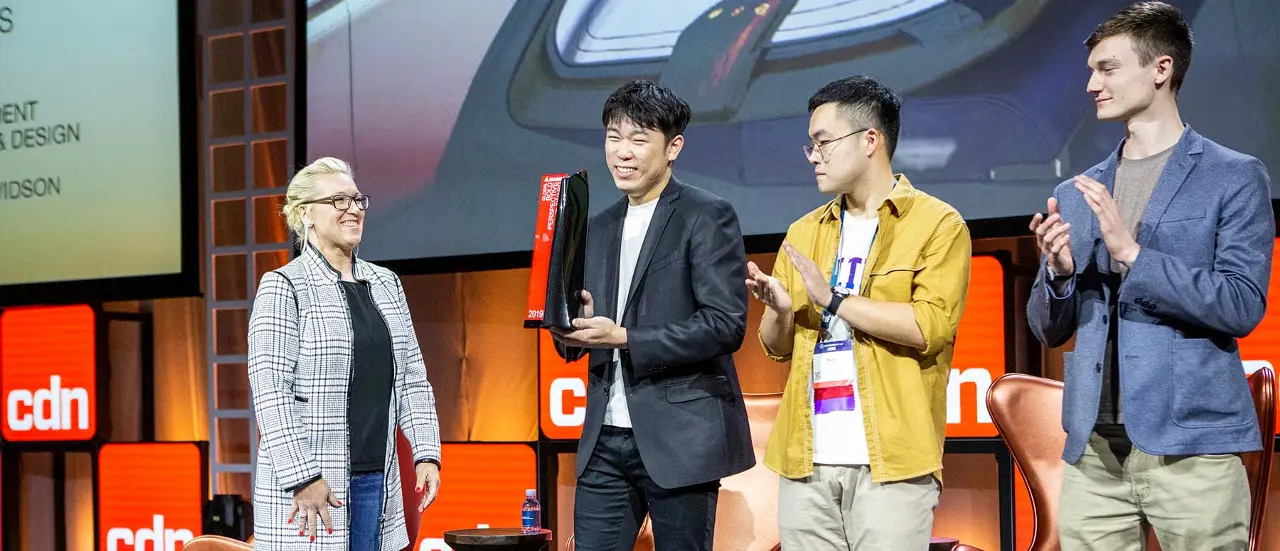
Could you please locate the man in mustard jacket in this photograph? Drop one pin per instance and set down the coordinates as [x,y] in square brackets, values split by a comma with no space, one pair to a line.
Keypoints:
[864,301]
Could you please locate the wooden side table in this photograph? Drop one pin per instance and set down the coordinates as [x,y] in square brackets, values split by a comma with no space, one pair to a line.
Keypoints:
[497,539]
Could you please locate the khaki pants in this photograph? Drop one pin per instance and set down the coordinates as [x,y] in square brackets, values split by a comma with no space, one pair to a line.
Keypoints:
[841,508]
[1193,502]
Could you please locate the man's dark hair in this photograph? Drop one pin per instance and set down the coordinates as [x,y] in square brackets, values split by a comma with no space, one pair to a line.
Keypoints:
[1157,29]
[648,105]
[866,103]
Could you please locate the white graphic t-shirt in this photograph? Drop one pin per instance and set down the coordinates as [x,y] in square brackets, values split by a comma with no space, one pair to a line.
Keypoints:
[839,437]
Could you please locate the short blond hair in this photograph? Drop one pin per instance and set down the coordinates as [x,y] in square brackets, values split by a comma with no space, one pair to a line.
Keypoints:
[303,187]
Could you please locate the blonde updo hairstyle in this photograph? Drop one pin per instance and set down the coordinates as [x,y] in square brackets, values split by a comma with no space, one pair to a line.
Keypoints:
[303,188]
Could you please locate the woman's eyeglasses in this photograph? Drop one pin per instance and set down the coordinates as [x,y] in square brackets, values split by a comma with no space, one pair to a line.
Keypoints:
[342,202]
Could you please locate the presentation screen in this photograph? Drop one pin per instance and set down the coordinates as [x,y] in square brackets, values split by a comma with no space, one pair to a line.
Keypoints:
[94,149]
[452,111]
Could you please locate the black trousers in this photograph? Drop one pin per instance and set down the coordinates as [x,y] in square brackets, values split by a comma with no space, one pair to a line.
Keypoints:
[615,493]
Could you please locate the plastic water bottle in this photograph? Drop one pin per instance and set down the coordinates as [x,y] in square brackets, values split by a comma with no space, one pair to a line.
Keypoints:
[531,513]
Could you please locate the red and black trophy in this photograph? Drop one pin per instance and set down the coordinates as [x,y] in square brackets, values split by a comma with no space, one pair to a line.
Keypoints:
[555,281]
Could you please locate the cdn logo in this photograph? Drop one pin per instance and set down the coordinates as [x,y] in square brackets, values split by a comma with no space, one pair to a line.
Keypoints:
[49,373]
[562,416]
[52,408]
[967,414]
[564,400]
[159,537]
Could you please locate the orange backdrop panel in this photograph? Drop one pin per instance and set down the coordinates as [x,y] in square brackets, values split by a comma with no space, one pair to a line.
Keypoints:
[149,492]
[562,389]
[980,351]
[482,485]
[40,349]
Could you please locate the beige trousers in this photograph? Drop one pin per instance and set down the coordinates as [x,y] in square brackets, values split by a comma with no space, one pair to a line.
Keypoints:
[842,508]
[1193,502]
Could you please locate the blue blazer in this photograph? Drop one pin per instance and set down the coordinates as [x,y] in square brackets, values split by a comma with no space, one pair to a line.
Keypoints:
[1199,282]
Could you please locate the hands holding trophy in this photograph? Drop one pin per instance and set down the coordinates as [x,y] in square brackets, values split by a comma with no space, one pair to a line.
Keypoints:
[555,283]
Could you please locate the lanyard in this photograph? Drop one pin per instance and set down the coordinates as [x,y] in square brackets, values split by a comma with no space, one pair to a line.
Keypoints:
[827,317]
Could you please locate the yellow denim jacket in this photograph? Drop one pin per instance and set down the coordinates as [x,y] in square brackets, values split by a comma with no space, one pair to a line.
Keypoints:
[920,256]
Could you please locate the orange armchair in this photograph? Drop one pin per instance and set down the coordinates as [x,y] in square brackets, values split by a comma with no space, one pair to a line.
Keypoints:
[216,543]
[1262,384]
[1027,411]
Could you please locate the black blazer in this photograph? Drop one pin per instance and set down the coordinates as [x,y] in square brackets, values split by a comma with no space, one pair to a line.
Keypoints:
[686,317]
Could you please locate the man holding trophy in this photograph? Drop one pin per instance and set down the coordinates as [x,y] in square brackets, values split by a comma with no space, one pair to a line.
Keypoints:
[663,310]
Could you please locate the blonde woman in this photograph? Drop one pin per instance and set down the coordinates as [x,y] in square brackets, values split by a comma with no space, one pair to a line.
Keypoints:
[335,368]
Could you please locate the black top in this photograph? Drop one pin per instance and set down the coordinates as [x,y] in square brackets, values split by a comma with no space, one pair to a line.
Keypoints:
[372,376]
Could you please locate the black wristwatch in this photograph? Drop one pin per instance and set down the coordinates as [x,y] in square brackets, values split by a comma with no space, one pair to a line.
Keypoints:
[837,296]
[1054,277]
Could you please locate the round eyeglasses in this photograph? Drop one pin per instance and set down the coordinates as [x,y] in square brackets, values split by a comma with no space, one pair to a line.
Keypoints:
[821,148]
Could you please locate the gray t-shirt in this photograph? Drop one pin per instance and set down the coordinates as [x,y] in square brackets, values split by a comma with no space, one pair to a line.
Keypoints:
[1135,180]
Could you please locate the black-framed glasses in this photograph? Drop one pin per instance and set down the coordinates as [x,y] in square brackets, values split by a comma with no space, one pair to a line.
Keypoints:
[342,202]
[821,148]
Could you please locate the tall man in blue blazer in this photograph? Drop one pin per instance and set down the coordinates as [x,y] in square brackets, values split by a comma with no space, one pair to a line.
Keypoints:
[664,310]
[1157,260]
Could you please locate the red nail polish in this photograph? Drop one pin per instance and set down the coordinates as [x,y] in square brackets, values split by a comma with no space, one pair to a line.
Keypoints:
[302,533]
[339,504]
[313,538]
[331,530]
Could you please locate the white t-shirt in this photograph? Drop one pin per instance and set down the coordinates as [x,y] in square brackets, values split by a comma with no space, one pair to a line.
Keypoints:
[634,228]
[839,436]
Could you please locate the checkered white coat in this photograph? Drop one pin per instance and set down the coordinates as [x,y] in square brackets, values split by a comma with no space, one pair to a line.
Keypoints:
[300,345]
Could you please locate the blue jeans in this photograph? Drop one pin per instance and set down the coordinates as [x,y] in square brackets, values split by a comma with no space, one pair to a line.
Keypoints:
[365,511]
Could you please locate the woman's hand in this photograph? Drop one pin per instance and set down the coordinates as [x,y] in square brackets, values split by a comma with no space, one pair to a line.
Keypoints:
[428,476]
[313,502]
